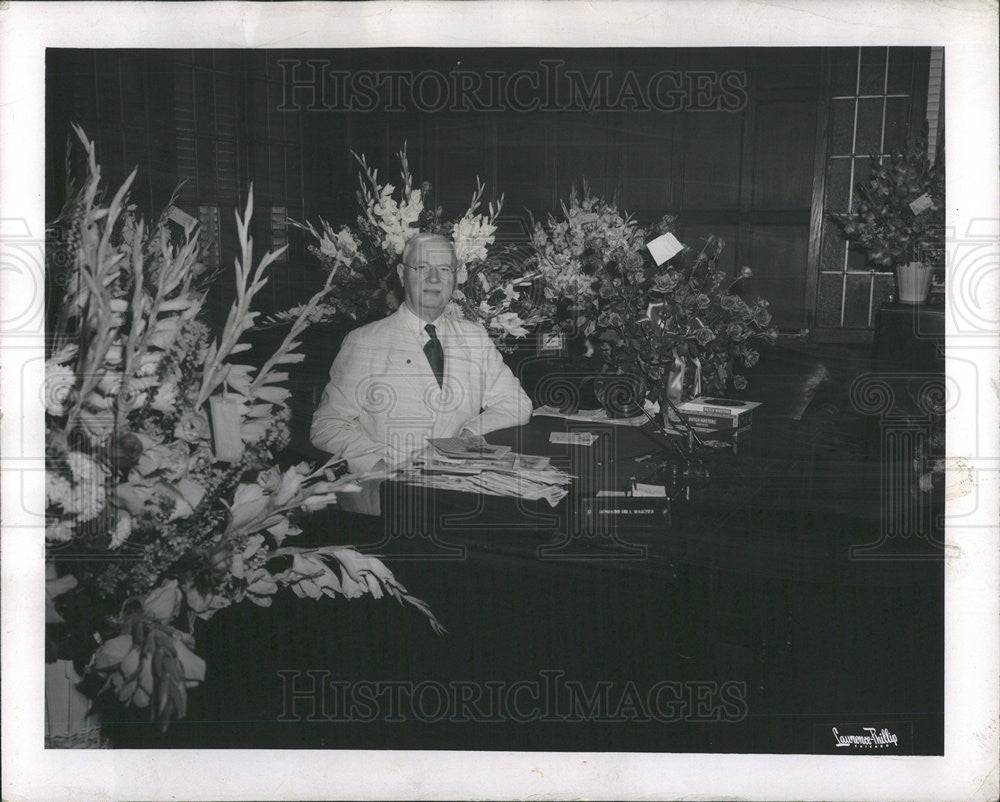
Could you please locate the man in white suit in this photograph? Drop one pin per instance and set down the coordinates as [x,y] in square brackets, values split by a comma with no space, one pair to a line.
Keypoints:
[416,374]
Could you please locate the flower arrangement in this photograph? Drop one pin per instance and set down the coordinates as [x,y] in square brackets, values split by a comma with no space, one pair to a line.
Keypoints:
[899,213]
[649,322]
[165,500]
[499,295]
[363,257]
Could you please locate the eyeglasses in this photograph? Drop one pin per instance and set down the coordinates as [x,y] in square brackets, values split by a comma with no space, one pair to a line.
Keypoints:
[424,270]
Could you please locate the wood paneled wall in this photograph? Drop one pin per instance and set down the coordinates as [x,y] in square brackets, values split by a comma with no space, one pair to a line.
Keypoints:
[734,141]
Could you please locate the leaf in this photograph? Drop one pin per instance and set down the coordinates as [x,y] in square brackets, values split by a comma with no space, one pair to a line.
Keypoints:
[276,395]
[289,359]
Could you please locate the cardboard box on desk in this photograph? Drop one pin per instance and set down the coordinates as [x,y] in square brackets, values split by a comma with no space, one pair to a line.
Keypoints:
[713,412]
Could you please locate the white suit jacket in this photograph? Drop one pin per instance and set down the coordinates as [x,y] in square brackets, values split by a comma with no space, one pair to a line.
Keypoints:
[382,401]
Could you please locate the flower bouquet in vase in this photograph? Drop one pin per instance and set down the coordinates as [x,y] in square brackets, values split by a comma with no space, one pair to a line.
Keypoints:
[364,256]
[166,500]
[663,332]
[898,218]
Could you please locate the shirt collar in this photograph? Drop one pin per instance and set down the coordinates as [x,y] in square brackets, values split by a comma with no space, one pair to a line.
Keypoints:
[414,322]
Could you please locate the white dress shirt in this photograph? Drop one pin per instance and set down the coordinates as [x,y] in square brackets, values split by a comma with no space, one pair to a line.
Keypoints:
[382,401]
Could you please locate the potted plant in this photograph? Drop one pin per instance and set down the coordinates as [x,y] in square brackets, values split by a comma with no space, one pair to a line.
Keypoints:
[899,218]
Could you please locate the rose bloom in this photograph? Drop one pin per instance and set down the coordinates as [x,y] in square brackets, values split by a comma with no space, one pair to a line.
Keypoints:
[665,281]
[739,382]
[734,331]
[751,358]
[730,302]
[705,335]
[761,316]
[192,427]
[703,301]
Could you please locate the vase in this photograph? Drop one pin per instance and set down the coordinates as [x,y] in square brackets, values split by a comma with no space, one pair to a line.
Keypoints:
[226,415]
[70,723]
[684,380]
[914,282]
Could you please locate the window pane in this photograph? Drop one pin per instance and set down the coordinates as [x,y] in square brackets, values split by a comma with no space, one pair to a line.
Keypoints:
[857,257]
[869,138]
[828,302]
[884,287]
[897,112]
[841,127]
[900,69]
[872,70]
[856,302]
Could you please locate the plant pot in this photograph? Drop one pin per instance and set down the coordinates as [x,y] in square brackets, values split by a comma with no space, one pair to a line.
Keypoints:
[914,282]
[70,722]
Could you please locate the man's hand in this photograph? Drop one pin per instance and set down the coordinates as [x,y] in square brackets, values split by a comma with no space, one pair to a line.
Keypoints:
[471,439]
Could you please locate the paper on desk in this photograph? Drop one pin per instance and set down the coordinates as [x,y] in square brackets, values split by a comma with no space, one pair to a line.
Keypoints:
[573,438]
[491,483]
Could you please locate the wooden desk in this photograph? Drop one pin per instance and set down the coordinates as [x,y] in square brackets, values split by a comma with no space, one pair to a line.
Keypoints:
[749,596]
[910,336]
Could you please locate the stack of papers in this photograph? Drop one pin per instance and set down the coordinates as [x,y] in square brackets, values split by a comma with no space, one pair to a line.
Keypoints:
[506,474]
[597,415]
[461,449]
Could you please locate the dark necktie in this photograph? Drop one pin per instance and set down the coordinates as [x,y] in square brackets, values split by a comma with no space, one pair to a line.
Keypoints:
[434,353]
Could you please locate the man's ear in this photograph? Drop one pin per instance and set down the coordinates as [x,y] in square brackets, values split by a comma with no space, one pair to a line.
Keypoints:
[400,269]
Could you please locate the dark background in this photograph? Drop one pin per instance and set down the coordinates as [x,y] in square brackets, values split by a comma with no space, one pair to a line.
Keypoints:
[762,177]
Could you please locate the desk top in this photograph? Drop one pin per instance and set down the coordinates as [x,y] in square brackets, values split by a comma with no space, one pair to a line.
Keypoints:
[778,508]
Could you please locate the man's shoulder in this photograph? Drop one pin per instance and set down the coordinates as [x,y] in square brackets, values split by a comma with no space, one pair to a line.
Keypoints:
[375,329]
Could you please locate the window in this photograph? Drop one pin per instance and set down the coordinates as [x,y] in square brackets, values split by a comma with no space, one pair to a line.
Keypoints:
[877,98]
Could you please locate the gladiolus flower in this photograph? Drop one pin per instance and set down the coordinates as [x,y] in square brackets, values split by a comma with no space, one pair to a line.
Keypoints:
[164,603]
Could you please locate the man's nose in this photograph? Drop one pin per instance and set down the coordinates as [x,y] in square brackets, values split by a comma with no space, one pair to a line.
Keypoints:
[433,273]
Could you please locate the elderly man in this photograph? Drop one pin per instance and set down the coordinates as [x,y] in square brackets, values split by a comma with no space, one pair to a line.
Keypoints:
[416,374]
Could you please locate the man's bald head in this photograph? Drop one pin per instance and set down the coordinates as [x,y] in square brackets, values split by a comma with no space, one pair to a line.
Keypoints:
[424,245]
[427,272]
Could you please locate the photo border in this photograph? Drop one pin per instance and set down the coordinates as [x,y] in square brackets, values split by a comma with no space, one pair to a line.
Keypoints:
[968,769]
